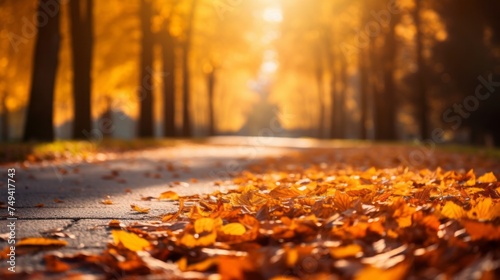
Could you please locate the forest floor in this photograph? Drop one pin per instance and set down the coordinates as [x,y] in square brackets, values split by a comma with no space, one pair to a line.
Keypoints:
[254,208]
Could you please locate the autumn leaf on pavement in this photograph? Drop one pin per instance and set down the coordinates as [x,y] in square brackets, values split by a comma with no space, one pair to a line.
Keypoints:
[40,241]
[138,209]
[130,240]
[168,195]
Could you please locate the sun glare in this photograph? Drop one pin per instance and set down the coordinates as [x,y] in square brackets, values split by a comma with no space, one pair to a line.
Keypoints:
[273,14]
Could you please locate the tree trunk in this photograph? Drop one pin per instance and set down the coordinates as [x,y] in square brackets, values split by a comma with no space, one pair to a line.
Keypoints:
[186,101]
[146,117]
[39,119]
[81,45]
[364,80]
[4,116]
[321,92]
[386,115]
[168,61]
[341,112]
[211,110]
[420,87]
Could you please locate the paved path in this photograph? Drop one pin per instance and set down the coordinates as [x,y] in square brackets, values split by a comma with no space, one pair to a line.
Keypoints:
[67,196]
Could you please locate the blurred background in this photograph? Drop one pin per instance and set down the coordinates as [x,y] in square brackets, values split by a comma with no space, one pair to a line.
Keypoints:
[357,69]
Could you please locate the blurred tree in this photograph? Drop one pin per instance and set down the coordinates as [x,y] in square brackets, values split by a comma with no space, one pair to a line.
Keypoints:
[420,86]
[385,109]
[81,51]
[466,56]
[39,119]
[211,80]
[146,118]
[167,43]
[186,89]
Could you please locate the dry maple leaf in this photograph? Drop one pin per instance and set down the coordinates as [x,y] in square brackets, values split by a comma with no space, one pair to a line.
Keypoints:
[453,211]
[57,200]
[138,209]
[485,209]
[41,241]
[53,264]
[130,240]
[487,178]
[168,195]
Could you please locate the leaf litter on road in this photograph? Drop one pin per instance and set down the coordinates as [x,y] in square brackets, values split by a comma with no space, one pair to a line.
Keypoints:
[285,221]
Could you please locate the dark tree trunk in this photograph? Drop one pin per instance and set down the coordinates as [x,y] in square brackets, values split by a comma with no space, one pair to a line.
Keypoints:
[186,90]
[321,102]
[39,119]
[168,61]
[146,117]
[364,81]
[386,103]
[420,87]
[364,85]
[211,80]
[340,108]
[81,45]
[4,116]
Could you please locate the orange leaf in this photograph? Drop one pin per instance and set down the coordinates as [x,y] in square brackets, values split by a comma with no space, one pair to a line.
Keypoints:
[353,250]
[139,209]
[478,230]
[372,272]
[40,241]
[206,225]
[453,211]
[130,240]
[107,201]
[234,229]
[485,209]
[168,195]
[54,264]
[487,178]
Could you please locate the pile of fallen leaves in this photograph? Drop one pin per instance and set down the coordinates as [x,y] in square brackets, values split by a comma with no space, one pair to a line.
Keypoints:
[316,223]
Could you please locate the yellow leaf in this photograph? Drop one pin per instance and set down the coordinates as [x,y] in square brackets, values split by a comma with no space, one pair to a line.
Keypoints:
[139,209]
[196,240]
[485,209]
[352,250]
[487,178]
[130,240]
[168,195]
[234,229]
[204,225]
[40,241]
[453,211]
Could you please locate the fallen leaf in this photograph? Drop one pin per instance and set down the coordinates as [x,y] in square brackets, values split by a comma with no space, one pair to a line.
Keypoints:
[168,195]
[130,240]
[142,210]
[487,178]
[40,241]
